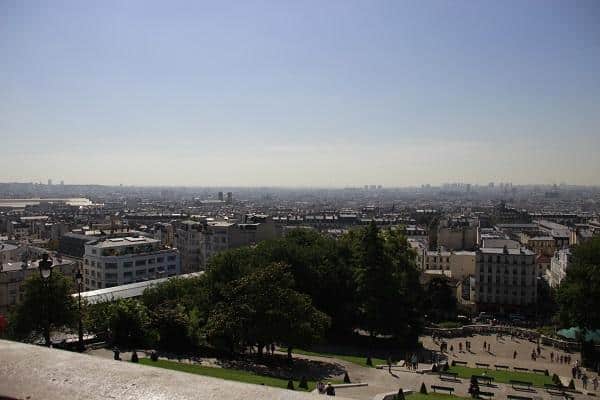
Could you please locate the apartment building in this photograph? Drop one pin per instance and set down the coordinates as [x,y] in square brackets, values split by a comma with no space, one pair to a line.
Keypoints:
[117,261]
[14,274]
[505,279]
[188,236]
[558,267]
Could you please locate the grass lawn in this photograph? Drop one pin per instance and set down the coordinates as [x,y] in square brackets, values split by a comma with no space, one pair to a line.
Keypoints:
[432,396]
[362,361]
[224,373]
[503,376]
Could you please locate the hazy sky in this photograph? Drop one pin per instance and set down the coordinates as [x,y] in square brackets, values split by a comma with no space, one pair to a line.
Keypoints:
[300,92]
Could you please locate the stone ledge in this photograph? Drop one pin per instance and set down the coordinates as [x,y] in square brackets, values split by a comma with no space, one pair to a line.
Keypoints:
[36,373]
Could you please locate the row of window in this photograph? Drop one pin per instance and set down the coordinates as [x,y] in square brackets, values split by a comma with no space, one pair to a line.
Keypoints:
[129,264]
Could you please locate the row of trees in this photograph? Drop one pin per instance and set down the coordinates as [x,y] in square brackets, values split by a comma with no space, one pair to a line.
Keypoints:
[292,291]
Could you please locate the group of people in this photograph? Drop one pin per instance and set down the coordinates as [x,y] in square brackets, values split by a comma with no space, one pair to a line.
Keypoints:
[562,359]
[328,390]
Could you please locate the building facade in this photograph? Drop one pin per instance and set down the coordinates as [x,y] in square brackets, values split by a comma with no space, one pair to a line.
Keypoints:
[558,267]
[505,279]
[117,261]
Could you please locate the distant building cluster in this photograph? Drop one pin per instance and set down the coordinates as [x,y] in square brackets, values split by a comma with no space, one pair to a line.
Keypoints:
[493,244]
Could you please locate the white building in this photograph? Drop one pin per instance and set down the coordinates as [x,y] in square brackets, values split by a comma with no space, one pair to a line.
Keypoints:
[558,267]
[505,279]
[118,261]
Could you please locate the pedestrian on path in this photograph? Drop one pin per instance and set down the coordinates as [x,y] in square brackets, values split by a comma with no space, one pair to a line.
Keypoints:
[514,354]
[389,361]
[595,383]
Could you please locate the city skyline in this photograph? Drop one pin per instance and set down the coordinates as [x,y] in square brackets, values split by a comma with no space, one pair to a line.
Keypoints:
[300,95]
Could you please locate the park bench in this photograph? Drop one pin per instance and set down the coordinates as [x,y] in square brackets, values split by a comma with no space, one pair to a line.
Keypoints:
[498,366]
[560,393]
[448,389]
[487,395]
[551,386]
[451,376]
[486,380]
[520,384]
[540,371]
[456,362]
[517,397]
[483,365]
[520,369]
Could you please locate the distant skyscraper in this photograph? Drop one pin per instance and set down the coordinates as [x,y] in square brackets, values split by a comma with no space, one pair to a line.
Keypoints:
[49,182]
[221,196]
[62,183]
[229,197]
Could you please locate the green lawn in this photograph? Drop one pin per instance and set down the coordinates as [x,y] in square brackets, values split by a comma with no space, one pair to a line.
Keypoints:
[362,361]
[503,376]
[224,373]
[432,396]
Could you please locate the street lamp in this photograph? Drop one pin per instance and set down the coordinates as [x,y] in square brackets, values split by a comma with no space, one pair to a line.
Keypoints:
[79,280]
[45,267]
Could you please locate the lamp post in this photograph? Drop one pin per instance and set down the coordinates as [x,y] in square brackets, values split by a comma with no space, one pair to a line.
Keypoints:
[45,267]
[79,280]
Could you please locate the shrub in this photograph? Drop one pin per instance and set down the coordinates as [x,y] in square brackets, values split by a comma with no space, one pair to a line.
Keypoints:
[290,384]
[154,356]
[423,389]
[556,380]
[546,373]
[346,378]
[303,383]
[369,362]
[400,395]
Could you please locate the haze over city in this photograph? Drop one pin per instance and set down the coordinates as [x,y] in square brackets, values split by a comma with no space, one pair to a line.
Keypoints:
[336,93]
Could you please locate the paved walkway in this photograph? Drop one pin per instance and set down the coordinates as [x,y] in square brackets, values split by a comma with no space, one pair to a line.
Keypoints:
[381,381]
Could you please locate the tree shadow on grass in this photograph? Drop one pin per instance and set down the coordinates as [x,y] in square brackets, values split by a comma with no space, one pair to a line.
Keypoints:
[278,366]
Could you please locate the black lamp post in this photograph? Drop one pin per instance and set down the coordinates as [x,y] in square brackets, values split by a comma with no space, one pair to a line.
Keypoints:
[45,267]
[79,280]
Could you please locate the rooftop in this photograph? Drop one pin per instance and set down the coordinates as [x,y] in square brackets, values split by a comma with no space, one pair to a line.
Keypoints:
[499,250]
[127,291]
[126,241]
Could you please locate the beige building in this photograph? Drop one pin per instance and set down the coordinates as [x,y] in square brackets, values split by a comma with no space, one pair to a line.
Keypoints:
[545,245]
[13,274]
[462,264]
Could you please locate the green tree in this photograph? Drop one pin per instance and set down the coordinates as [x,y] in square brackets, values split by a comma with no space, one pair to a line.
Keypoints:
[129,324]
[261,308]
[43,302]
[440,301]
[578,295]
[388,290]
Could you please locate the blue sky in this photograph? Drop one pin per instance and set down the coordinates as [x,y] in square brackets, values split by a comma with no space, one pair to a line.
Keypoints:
[303,93]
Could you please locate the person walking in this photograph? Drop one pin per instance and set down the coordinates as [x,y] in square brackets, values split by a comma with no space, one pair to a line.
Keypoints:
[514,354]
[389,362]
[595,383]
[551,357]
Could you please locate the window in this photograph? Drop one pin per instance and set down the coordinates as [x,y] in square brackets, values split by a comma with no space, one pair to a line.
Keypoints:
[127,264]
[140,272]
[94,251]
[151,270]
[127,274]
[110,265]
[93,263]
[110,276]
[160,260]
[171,267]
[171,258]
[140,262]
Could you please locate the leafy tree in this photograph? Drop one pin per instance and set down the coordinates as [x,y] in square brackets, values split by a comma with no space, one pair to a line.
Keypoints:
[388,290]
[578,295]
[173,327]
[440,302]
[44,301]
[129,324]
[262,307]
